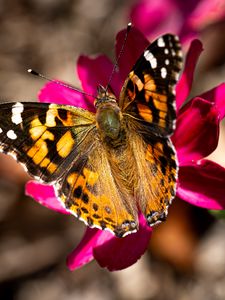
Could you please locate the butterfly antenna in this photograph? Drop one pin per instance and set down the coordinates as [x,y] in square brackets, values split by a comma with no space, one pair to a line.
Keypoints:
[31,71]
[119,56]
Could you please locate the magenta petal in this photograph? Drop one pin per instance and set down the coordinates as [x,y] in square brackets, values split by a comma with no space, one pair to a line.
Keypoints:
[120,253]
[45,195]
[202,185]
[217,96]
[83,253]
[147,15]
[96,71]
[206,13]
[134,47]
[197,132]
[185,83]
[55,93]
[155,18]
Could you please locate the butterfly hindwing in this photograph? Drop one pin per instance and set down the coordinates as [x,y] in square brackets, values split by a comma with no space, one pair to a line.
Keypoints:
[162,164]
[149,91]
[155,172]
[90,192]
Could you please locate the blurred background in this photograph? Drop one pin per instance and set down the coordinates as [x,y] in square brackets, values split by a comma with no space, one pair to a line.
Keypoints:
[186,257]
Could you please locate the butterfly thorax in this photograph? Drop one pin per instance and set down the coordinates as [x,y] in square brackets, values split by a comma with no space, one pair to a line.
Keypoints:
[108,118]
[109,121]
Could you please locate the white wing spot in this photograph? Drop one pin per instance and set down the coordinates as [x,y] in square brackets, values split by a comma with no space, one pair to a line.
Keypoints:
[17,109]
[163,72]
[176,76]
[167,61]
[11,135]
[161,42]
[150,57]
[179,53]
[173,52]
[1,130]
[166,51]
[12,154]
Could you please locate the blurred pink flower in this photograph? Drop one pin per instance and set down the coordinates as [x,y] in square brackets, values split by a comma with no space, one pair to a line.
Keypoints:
[201,182]
[185,18]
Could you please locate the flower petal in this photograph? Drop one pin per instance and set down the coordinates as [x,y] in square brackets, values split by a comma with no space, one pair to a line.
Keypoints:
[217,96]
[158,17]
[202,185]
[97,71]
[187,35]
[45,195]
[56,93]
[119,253]
[207,12]
[83,253]
[185,83]
[155,18]
[134,47]
[197,131]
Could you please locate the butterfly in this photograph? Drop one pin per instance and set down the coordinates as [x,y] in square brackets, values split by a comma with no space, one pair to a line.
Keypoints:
[107,166]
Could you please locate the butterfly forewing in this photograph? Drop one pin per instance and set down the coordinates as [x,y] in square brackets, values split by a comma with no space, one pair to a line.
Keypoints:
[149,91]
[43,137]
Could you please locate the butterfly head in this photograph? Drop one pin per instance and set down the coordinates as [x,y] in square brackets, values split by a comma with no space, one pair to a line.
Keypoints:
[104,96]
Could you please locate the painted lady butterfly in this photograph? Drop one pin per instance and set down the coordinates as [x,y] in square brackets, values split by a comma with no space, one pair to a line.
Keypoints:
[108,166]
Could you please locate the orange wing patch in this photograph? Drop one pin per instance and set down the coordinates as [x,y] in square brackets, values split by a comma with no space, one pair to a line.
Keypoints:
[65,144]
[39,150]
[136,81]
[145,112]
[54,112]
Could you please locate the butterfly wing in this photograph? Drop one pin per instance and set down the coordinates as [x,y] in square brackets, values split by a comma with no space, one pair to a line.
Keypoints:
[148,94]
[157,169]
[59,145]
[148,104]
[91,192]
[43,137]
[162,165]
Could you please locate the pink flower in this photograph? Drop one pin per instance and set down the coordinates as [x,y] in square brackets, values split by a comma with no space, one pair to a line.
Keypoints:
[201,182]
[185,18]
